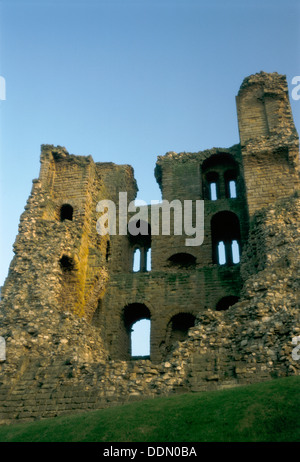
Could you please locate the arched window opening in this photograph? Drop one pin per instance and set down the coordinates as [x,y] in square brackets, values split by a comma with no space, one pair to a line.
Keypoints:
[226,302]
[213,191]
[136,260]
[232,189]
[177,329]
[181,324]
[69,287]
[148,260]
[140,338]
[138,334]
[235,248]
[230,178]
[184,260]
[66,212]
[211,186]
[219,176]
[221,253]
[141,243]
[226,238]
[69,282]
[67,264]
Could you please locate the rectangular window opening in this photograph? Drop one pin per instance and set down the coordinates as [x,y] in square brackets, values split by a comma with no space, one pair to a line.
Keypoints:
[232,189]
[213,191]
[221,253]
[148,260]
[136,260]
[235,252]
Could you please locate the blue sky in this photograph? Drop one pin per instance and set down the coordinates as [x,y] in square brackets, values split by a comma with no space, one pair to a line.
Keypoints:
[127,81]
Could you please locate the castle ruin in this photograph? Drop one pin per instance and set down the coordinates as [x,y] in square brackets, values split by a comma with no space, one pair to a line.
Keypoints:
[218,318]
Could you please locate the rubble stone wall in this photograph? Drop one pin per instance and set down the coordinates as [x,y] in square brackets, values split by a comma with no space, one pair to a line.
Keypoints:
[71,296]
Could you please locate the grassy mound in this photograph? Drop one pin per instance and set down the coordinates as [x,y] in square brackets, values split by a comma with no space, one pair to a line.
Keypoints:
[266,412]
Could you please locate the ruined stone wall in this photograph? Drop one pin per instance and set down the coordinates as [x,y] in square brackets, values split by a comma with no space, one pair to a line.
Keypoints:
[181,177]
[164,290]
[71,296]
[259,329]
[61,366]
[165,295]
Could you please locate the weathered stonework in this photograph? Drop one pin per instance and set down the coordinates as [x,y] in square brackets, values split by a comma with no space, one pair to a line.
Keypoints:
[71,296]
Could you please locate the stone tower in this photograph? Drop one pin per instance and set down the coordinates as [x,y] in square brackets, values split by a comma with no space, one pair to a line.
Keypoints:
[268,138]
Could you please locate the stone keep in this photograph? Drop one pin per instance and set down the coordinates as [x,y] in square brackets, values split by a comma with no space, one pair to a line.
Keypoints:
[218,319]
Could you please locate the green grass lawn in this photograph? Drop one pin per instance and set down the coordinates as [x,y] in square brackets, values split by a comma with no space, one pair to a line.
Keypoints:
[266,412]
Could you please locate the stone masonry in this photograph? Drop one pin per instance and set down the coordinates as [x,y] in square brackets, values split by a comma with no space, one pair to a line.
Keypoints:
[218,318]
